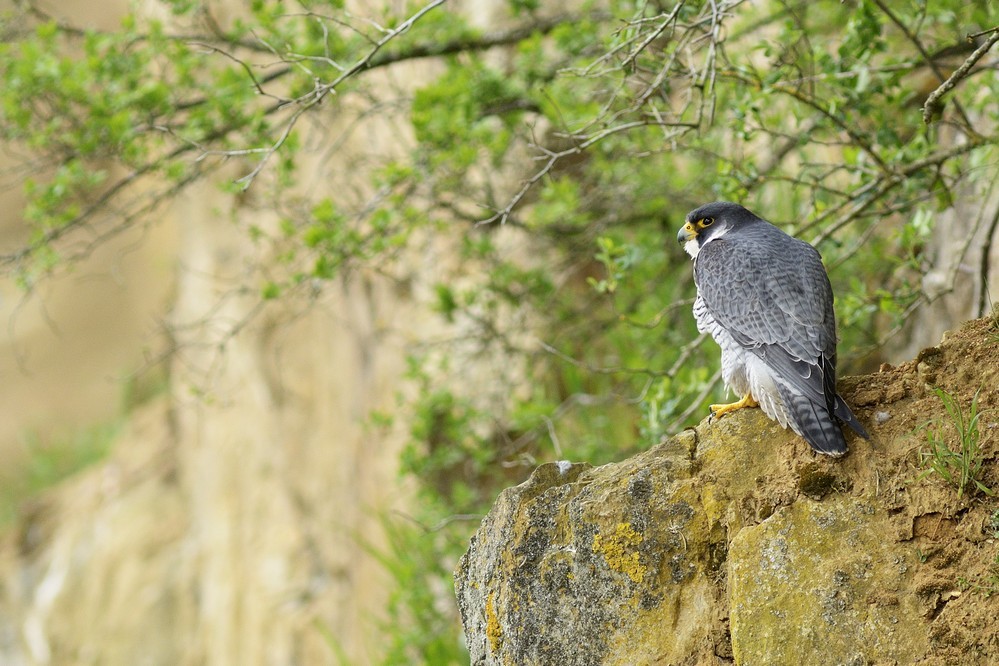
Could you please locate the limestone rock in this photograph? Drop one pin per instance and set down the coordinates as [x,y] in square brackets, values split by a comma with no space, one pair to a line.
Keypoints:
[734,542]
[819,579]
[579,566]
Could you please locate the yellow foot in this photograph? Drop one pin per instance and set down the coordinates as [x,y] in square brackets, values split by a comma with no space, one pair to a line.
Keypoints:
[718,411]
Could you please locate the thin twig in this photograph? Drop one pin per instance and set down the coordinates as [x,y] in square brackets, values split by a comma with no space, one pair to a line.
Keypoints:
[242,63]
[863,197]
[503,214]
[984,267]
[926,56]
[932,105]
[322,91]
[695,404]
[972,36]
[670,19]
[371,60]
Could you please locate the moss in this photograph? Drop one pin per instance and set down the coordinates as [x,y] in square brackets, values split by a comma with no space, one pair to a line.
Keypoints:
[817,567]
[619,551]
[816,481]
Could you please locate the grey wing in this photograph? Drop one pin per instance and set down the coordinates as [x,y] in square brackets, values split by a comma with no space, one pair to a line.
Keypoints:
[771,294]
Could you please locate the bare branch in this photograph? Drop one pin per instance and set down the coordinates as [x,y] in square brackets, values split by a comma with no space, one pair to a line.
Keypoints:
[932,105]
[668,20]
[242,63]
[321,91]
[503,214]
[865,196]
[374,58]
[984,268]
[972,36]
[850,131]
[371,60]
[926,56]
[813,103]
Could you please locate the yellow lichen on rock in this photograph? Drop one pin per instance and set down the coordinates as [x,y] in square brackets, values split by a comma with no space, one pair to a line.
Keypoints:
[618,549]
[494,631]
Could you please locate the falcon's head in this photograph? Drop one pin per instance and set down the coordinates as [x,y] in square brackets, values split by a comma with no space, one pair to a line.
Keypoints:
[709,222]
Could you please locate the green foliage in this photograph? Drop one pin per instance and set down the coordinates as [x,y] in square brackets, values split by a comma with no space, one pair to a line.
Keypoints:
[957,459]
[416,630]
[617,260]
[447,453]
[463,117]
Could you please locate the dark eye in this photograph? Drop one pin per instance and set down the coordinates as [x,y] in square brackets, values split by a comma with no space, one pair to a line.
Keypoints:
[707,222]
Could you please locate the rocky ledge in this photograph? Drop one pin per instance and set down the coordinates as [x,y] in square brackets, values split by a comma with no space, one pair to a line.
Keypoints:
[733,543]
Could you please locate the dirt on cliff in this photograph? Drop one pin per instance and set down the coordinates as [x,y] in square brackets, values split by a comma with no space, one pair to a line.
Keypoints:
[955,531]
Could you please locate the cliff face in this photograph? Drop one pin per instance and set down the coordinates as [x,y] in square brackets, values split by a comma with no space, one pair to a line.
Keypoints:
[236,519]
[229,524]
[733,542]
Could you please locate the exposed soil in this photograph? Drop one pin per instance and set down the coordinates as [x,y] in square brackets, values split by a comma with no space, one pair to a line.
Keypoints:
[956,538]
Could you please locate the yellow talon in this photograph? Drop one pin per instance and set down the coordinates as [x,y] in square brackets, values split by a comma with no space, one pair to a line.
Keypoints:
[718,411]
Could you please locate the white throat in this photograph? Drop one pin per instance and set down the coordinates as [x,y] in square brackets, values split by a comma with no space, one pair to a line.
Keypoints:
[692,248]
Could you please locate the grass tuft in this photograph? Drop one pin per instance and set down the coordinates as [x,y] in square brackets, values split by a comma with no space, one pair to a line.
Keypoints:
[959,465]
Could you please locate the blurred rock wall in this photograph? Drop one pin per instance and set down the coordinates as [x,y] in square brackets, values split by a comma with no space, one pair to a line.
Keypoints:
[234,521]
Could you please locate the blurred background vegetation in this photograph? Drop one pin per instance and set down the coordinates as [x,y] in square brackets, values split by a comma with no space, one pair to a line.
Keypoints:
[553,149]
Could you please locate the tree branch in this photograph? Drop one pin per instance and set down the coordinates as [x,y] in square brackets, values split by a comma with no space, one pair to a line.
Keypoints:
[374,58]
[985,265]
[932,105]
[863,197]
[922,52]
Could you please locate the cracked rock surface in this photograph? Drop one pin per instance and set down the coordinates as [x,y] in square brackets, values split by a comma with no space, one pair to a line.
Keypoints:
[733,543]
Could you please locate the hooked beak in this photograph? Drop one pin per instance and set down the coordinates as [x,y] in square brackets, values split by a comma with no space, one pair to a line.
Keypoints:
[687,233]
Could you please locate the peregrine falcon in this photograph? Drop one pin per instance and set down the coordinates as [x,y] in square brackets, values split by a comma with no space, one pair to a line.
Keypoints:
[766,300]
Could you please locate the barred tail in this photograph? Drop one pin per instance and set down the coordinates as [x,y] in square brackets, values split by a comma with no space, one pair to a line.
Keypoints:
[844,414]
[813,422]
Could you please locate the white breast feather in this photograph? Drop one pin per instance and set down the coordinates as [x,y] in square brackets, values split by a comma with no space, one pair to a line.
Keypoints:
[742,371]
